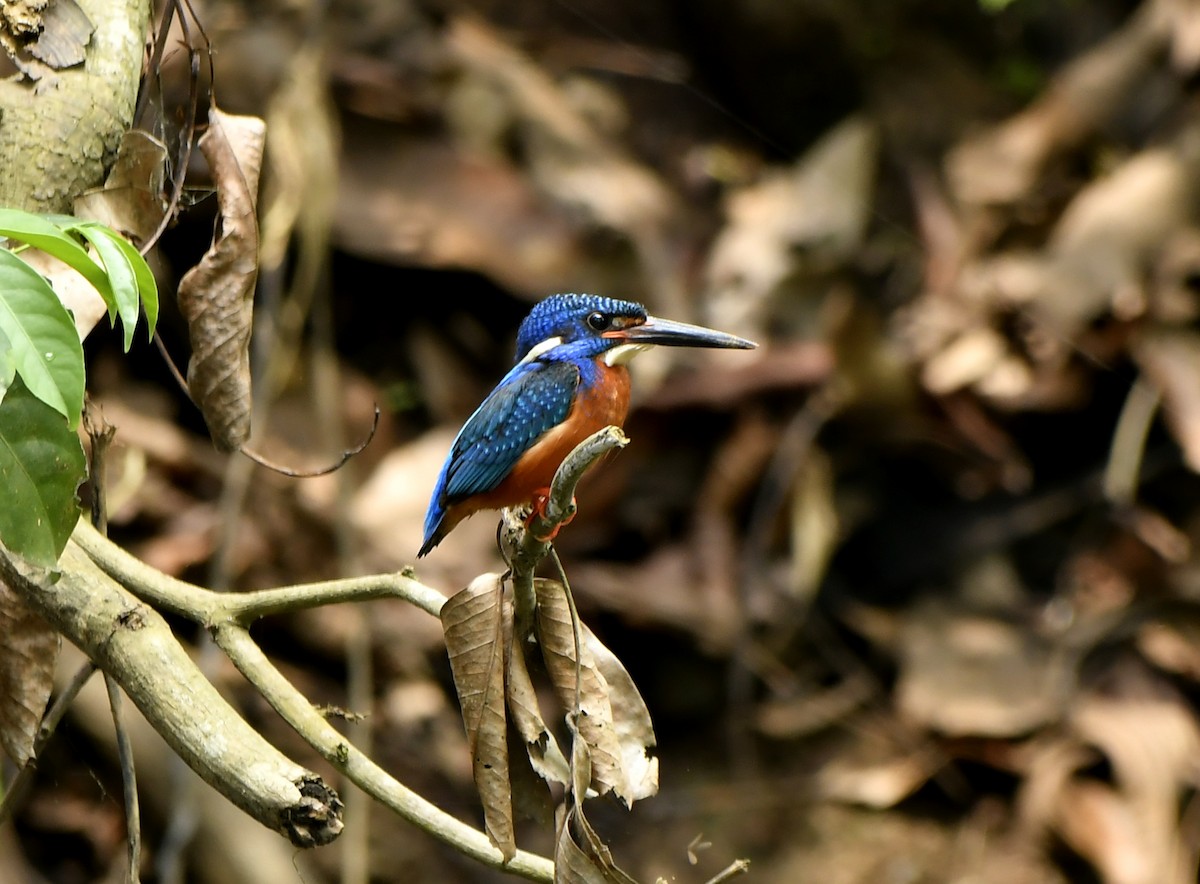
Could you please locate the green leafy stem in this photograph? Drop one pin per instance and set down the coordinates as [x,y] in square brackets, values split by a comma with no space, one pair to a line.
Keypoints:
[42,370]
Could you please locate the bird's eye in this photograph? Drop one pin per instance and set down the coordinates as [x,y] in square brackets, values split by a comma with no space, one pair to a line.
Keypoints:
[598,321]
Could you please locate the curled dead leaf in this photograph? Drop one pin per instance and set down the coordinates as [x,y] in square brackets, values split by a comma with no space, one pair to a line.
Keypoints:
[580,856]
[28,650]
[131,200]
[474,625]
[613,719]
[544,753]
[216,296]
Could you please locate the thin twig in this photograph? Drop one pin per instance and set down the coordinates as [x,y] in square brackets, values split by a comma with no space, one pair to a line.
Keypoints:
[735,868]
[250,660]
[133,816]
[347,453]
[100,433]
[186,139]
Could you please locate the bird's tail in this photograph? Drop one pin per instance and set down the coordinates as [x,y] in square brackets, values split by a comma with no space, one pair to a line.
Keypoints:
[437,526]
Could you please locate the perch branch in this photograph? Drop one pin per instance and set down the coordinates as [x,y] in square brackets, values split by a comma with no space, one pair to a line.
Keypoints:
[527,551]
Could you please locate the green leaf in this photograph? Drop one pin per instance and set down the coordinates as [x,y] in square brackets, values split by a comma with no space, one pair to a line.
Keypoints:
[42,234]
[42,341]
[8,365]
[41,466]
[120,275]
[147,287]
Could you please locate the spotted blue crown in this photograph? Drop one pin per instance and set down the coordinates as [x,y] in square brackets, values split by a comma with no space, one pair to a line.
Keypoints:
[563,316]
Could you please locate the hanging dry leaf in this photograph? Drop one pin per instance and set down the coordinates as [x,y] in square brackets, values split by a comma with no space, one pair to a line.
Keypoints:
[473,622]
[28,649]
[216,296]
[531,797]
[543,750]
[131,200]
[631,723]
[625,768]
[580,857]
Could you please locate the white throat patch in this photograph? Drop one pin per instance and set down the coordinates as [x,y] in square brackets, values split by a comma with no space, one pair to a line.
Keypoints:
[536,351]
[623,353]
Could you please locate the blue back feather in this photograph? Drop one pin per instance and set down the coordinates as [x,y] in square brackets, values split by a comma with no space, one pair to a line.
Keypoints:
[532,399]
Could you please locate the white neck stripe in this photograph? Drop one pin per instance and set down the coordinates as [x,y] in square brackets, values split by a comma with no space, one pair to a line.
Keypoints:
[537,351]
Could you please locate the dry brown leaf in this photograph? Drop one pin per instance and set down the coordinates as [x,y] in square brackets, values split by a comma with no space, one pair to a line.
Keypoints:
[1127,825]
[573,862]
[1171,360]
[968,672]
[595,721]
[631,722]
[473,622]
[543,750]
[531,796]
[131,200]
[580,857]
[28,650]
[1004,165]
[1150,736]
[805,218]
[216,296]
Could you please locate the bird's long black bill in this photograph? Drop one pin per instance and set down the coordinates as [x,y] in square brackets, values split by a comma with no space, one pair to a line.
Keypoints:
[668,333]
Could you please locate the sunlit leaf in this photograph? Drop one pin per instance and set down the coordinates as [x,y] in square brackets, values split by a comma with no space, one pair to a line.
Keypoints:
[8,365]
[28,649]
[473,621]
[41,466]
[42,341]
[120,276]
[50,238]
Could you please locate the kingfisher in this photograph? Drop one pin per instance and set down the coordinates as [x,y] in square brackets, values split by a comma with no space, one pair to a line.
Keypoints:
[570,379]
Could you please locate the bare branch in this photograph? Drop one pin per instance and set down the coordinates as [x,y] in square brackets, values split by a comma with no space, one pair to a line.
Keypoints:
[208,608]
[131,641]
[235,641]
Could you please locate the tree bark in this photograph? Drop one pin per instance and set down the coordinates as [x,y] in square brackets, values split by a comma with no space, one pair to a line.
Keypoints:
[57,136]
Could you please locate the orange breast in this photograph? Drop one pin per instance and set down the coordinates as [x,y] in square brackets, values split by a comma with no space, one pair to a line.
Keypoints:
[606,402]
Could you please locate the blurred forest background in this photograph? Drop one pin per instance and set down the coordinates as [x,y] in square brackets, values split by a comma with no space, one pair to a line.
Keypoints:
[912,592]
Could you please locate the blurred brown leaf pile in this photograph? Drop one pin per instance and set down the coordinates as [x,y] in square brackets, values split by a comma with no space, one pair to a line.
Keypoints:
[911,593]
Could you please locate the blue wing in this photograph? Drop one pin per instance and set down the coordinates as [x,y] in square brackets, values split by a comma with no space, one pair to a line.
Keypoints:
[532,399]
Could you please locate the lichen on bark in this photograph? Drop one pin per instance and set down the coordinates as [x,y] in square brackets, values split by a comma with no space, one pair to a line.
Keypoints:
[57,135]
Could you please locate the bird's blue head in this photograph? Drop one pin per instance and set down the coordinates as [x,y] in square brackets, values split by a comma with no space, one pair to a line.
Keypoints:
[576,326]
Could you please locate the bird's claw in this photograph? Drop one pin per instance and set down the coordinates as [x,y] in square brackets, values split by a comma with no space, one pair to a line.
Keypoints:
[540,499]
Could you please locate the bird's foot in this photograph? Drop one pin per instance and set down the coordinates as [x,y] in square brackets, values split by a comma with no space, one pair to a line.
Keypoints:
[540,498]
